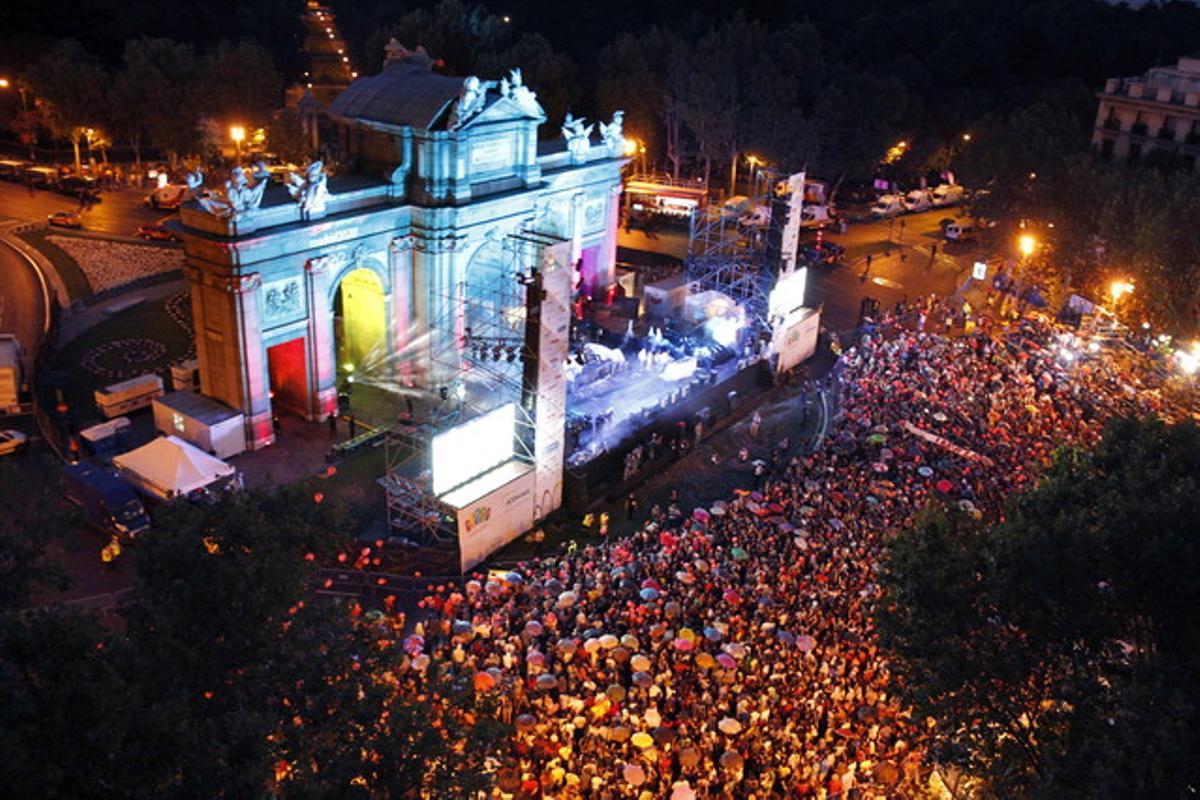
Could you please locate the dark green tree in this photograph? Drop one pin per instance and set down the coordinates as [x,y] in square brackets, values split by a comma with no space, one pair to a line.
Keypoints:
[72,93]
[154,97]
[1057,650]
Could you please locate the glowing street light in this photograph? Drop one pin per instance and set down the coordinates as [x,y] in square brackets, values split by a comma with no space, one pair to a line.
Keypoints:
[631,147]
[966,137]
[3,83]
[1119,289]
[1026,244]
[237,133]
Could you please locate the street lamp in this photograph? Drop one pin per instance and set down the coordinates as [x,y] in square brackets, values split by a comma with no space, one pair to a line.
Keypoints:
[237,133]
[1026,244]
[1119,289]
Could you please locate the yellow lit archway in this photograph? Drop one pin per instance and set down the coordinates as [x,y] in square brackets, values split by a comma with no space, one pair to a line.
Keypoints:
[360,321]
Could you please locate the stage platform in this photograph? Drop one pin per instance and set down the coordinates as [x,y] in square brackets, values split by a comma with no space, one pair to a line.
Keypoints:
[645,442]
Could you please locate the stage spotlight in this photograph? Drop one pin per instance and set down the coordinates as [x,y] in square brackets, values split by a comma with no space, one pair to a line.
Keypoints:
[496,351]
[512,355]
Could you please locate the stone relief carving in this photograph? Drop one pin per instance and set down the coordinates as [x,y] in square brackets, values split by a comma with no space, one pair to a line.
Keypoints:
[470,102]
[577,134]
[282,300]
[238,195]
[309,189]
[612,134]
[513,88]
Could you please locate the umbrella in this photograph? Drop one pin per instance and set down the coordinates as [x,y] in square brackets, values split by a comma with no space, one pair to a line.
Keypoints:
[726,661]
[729,726]
[735,649]
[887,773]
[533,628]
[608,641]
[535,659]
[615,692]
[648,594]
[484,681]
[924,471]
[966,505]
[525,722]
[687,633]
[672,608]
[712,634]
[689,757]
[683,645]
[700,514]
[739,554]
[633,774]
[876,438]
[879,466]
[805,642]
[717,511]
[414,644]
[732,597]
[642,740]
[664,736]
[620,733]
[420,663]
[513,577]
[732,761]
[681,791]
[786,637]
[567,647]
[546,682]
[939,416]
[620,654]
[944,486]
[630,641]
[640,663]
[705,661]
[642,679]
[567,599]
[591,645]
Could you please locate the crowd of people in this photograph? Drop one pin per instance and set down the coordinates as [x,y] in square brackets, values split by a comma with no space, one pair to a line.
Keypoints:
[730,652]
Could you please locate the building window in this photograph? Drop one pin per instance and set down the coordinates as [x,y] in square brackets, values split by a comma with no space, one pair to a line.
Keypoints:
[1106,149]
[1113,122]
[1167,131]
[1139,127]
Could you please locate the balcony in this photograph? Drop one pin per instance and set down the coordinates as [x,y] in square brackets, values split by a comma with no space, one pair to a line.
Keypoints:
[1112,124]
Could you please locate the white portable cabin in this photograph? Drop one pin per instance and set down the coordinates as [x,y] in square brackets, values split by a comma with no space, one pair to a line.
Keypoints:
[121,398]
[208,424]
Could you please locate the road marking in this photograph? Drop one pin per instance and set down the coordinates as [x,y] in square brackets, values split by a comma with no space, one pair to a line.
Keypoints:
[41,279]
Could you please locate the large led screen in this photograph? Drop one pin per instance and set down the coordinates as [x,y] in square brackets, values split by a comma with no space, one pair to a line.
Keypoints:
[473,448]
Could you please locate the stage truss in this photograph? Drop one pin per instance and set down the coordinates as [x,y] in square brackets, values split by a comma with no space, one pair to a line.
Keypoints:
[413,511]
[735,258]
[485,355]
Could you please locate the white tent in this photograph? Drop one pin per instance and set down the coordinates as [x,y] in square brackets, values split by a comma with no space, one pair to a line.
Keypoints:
[169,467]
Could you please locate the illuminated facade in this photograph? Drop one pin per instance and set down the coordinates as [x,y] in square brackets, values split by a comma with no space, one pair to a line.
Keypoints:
[1159,110]
[377,270]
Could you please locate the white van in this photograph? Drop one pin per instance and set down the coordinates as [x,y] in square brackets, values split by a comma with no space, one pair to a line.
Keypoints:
[888,205]
[947,194]
[960,232]
[917,200]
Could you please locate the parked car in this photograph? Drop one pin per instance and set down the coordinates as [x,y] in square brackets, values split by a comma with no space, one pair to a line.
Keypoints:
[157,232]
[11,441]
[917,200]
[109,502]
[65,219]
[12,170]
[41,177]
[947,194]
[75,186]
[888,205]
[960,232]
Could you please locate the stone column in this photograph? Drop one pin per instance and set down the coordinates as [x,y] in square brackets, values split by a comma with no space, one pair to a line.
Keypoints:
[402,324]
[322,372]
[254,379]
[606,272]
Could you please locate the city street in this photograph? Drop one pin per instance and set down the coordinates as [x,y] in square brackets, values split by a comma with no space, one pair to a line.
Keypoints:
[903,262]
[22,302]
[119,213]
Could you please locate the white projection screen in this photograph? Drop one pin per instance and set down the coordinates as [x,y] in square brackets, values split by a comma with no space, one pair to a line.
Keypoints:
[471,449]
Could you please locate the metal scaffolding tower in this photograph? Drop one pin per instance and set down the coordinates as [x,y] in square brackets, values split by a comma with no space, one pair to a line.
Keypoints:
[734,249]
[413,510]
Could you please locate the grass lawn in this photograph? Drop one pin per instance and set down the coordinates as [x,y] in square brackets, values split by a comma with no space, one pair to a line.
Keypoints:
[150,320]
[67,268]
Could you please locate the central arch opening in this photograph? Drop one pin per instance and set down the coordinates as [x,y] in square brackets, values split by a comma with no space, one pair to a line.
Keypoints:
[360,323]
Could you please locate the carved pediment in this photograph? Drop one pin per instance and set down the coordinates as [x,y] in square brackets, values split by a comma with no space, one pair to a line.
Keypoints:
[504,109]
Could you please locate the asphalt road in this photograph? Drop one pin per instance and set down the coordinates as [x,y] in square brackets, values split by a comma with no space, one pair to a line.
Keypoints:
[906,261]
[22,304]
[118,213]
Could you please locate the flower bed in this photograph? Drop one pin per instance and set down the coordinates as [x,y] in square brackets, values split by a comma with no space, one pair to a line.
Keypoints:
[108,264]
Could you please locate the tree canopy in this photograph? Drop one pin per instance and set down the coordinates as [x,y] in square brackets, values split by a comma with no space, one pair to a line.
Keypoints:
[1057,650]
